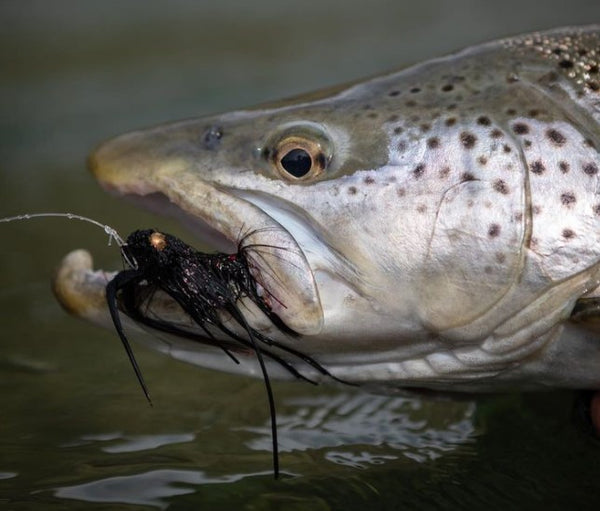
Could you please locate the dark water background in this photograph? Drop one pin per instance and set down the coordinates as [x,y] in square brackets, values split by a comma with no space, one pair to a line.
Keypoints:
[75,431]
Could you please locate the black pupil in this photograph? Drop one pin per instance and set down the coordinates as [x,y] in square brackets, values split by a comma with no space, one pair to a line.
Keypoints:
[297,162]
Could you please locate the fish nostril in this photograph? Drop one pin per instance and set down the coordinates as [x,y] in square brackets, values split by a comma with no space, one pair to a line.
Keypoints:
[212,137]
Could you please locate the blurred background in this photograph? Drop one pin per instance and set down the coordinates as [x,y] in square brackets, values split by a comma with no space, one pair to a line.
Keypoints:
[74,427]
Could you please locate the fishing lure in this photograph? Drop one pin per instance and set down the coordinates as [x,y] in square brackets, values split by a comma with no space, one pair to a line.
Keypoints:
[206,287]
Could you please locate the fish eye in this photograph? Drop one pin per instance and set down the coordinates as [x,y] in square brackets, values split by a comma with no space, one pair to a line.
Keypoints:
[299,158]
[299,151]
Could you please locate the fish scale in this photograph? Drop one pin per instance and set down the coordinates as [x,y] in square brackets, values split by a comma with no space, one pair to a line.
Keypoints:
[445,229]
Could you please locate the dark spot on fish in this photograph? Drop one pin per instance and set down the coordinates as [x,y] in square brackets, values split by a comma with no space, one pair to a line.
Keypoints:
[527,143]
[482,160]
[568,199]
[568,234]
[556,137]
[563,166]
[520,128]
[537,167]
[591,169]
[488,270]
[500,257]
[394,93]
[494,230]
[448,87]
[593,85]
[402,146]
[534,112]
[419,170]
[451,121]
[556,51]
[373,115]
[425,127]
[433,142]
[415,90]
[393,118]
[401,192]
[588,142]
[501,187]
[415,118]
[549,78]
[411,103]
[444,171]
[369,180]
[398,130]
[506,148]
[536,210]
[352,190]
[518,217]
[511,111]
[484,121]
[496,133]
[421,208]
[467,176]
[467,139]
[566,64]
[452,106]
[597,209]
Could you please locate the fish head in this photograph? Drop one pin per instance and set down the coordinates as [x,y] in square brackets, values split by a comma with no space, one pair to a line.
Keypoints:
[398,224]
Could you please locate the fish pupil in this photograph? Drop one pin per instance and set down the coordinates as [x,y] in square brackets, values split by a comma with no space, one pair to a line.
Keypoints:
[297,162]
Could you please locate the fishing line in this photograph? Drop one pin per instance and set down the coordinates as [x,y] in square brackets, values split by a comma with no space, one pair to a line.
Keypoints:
[112,235]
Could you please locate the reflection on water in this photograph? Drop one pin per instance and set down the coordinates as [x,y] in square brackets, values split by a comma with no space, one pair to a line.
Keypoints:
[149,488]
[400,423]
[144,442]
[354,430]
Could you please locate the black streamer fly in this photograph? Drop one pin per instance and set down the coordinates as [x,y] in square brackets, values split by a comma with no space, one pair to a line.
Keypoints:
[205,286]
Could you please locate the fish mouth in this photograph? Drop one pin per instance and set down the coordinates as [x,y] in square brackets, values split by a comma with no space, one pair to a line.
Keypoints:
[218,215]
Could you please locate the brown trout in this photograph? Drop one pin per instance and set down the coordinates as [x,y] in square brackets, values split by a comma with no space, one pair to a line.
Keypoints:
[436,227]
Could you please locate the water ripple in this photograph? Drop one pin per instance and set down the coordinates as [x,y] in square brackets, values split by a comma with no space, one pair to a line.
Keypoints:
[148,488]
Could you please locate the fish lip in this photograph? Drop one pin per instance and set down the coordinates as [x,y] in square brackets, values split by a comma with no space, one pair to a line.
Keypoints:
[275,258]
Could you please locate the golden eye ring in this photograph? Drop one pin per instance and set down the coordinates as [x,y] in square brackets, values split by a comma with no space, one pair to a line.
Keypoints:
[299,159]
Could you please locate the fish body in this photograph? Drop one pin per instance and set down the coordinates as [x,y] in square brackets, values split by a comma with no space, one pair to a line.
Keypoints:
[434,227]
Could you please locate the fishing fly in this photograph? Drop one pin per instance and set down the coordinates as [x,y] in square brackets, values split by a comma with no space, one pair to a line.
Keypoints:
[207,287]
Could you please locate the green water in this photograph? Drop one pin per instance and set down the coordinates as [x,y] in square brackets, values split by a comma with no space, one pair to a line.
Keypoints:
[75,431]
